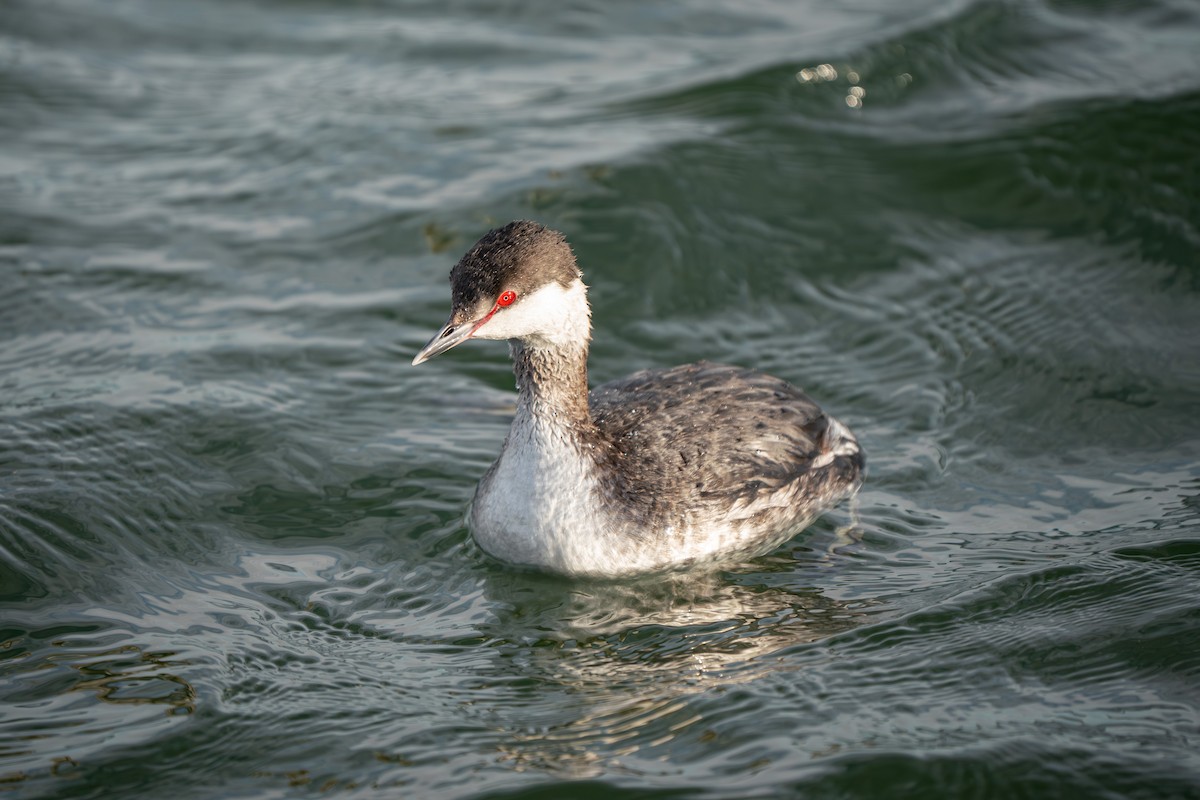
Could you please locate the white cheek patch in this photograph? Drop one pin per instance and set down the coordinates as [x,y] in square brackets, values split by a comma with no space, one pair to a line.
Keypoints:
[551,315]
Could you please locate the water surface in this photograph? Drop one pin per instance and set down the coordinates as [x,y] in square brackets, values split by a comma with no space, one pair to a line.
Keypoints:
[232,555]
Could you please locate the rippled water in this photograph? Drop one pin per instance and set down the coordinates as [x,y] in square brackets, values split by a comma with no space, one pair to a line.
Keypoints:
[232,557]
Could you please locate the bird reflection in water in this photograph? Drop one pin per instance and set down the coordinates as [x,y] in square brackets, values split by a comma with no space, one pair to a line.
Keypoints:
[653,660]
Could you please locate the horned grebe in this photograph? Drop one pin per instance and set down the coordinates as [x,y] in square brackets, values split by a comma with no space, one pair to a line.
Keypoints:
[665,468]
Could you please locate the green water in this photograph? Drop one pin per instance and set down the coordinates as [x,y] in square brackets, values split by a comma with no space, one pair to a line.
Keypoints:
[232,555]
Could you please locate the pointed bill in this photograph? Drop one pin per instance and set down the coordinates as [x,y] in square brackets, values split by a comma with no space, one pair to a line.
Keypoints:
[451,335]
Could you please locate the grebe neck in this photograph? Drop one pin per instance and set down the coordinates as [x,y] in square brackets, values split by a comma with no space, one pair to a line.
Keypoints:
[552,384]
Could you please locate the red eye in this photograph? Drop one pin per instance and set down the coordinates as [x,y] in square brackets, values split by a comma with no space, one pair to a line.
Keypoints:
[507,299]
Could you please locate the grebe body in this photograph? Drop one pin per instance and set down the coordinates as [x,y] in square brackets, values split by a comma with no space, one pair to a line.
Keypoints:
[666,468]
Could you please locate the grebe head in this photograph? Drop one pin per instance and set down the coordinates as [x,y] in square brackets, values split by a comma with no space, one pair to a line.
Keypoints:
[517,282]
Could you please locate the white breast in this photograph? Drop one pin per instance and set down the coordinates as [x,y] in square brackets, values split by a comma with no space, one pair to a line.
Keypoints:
[537,506]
